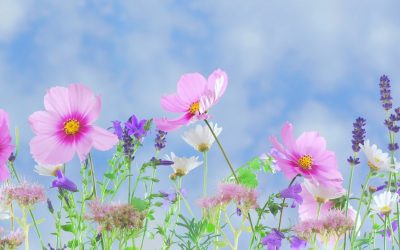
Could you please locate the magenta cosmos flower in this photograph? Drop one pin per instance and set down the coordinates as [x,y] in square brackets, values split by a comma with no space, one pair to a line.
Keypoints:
[66,126]
[307,156]
[5,145]
[195,95]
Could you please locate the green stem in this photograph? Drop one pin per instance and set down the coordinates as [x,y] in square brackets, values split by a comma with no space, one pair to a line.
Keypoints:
[93,175]
[205,174]
[354,235]
[223,151]
[352,166]
[283,203]
[384,234]
[230,166]
[147,220]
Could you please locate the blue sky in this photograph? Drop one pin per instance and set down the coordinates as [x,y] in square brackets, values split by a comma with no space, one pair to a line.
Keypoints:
[314,63]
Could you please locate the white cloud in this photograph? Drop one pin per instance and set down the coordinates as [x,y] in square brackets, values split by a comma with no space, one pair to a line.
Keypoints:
[13,15]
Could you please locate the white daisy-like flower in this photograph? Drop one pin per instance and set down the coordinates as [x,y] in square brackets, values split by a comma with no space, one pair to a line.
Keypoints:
[4,211]
[48,170]
[323,194]
[377,159]
[182,165]
[200,137]
[384,203]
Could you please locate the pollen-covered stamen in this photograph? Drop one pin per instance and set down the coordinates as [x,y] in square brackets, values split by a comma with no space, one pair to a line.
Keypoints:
[71,127]
[305,162]
[194,108]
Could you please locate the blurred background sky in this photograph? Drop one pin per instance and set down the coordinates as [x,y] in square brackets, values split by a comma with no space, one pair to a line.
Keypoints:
[316,64]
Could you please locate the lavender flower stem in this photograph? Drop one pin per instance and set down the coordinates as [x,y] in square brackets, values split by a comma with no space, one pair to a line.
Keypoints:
[352,166]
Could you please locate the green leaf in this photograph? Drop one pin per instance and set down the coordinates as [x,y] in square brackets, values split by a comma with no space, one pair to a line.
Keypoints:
[210,228]
[72,243]
[255,164]
[140,204]
[67,228]
[274,208]
[220,243]
[247,178]
[110,176]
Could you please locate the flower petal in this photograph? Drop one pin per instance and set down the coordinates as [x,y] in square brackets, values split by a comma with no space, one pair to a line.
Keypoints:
[173,103]
[102,139]
[83,101]
[43,122]
[167,125]
[191,87]
[48,149]
[57,100]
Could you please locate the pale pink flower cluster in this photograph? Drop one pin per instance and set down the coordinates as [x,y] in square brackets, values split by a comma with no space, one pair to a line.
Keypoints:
[243,197]
[115,216]
[25,194]
[334,224]
[12,240]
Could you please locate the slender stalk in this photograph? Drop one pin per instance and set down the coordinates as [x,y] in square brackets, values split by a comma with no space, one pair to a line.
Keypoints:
[93,175]
[230,166]
[205,174]
[354,235]
[352,166]
[147,220]
[222,151]
[179,209]
[283,203]
[384,234]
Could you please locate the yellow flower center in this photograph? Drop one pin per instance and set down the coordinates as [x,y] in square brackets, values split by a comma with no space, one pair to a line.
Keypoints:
[71,127]
[386,210]
[305,162]
[372,166]
[180,172]
[320,199]
[194,108]
[203,147]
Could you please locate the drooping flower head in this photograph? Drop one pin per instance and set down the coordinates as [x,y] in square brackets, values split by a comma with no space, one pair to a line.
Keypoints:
[66,126]
[293,192]
[273,240]
[307,156]
[63,182]
[384,203]
[5,145]
[200,137]
[195,95]
[296,243]
[377,159]
[183,165]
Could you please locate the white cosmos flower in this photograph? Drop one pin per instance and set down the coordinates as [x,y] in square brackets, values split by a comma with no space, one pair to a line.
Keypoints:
[200,137]
[48,170]
[384,203]
[378,160]
[323,194]
[182,165]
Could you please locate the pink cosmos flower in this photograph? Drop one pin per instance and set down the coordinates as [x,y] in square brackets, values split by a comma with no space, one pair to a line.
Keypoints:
[195,95]
[309,208]
[5,145]
[307,156]
[66,126]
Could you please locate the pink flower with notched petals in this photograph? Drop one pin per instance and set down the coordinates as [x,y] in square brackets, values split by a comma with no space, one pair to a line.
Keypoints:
[5,145]
[195,95]
[66,126]
[307,156]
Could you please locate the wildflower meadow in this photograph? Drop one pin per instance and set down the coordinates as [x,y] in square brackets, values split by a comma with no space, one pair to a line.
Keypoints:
[87,215]
[205,125]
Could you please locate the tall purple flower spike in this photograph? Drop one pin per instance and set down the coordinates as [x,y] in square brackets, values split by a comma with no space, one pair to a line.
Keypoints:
[63,182]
